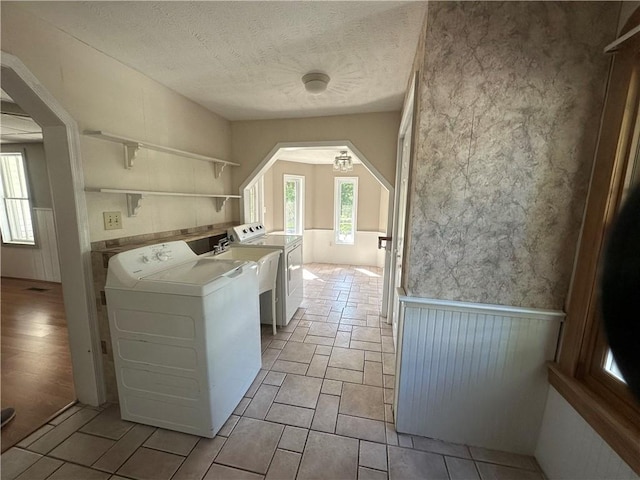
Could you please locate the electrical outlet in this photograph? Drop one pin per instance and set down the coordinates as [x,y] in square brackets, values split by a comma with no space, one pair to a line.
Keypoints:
[112,220]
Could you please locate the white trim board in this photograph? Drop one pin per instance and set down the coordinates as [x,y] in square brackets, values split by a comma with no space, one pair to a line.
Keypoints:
[537,313]
[66,179]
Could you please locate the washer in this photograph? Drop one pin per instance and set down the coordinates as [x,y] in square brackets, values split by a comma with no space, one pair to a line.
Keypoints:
[289,284]
[185,332]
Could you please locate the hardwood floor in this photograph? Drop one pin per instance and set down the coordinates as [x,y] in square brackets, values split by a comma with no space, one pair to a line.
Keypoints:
[36,364]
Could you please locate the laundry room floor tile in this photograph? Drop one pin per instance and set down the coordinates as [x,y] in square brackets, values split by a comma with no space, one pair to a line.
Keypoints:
[108,424]
[347,358]
[321,408]
[294,439]
[329,457]
[301,391]
[251,445]
[296,351]
[362,401]
[148,464]
[82,448]
[172,442]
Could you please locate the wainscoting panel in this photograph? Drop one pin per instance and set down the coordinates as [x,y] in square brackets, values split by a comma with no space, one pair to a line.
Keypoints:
[36,263]
[48,244]
[474,374]
[570,448]
[320,247]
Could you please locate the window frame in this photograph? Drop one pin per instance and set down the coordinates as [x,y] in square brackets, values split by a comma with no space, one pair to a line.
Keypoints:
[604,402]
[337,203]
[299,207]
[257,202]
[4,220]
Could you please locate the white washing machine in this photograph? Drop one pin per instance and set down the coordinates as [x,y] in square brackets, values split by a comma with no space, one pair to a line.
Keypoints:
[289,283]
[185,332]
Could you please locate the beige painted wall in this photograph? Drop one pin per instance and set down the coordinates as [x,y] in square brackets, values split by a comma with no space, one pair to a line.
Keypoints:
[274,203]
[319,196]
[368,216]
[103,94]
[374,134]
[384,210]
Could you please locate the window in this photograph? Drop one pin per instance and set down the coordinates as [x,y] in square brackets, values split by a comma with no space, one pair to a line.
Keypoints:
[586,373]
[601,371]
[16,222]
[255,199]
[346,206]
[293,204]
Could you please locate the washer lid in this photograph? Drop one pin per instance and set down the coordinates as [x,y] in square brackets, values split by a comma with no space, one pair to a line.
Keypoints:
[196,278]
[272,240]
[197,272]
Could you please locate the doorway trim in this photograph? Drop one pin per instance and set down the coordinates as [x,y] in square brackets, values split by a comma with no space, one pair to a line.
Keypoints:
[272,157]
[407,127]
[66,179]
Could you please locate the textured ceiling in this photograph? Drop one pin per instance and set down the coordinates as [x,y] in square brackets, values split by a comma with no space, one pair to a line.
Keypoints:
[244,60]
[15,125]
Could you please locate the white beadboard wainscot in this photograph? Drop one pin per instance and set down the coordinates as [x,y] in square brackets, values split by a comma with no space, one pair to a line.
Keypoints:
[569,447]
[472,373]
[320,247]
[39,262]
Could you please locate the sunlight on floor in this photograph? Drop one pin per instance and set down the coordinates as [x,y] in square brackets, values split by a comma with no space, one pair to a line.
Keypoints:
[307,275]
[366,272]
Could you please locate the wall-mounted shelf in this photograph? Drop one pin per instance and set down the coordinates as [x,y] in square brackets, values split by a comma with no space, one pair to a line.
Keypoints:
[132,147]
[134,197]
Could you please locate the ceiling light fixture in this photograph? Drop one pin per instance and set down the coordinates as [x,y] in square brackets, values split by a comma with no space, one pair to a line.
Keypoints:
[315,82]
[342,162]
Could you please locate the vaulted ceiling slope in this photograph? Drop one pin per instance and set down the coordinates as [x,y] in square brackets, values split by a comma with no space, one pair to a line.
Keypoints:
[244,59]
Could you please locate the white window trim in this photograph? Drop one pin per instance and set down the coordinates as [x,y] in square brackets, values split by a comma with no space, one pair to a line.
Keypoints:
[4,218]
[299,203]
[259,207]
[336,208]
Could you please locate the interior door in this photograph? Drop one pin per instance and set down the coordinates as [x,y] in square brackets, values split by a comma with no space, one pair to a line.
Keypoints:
[400,210]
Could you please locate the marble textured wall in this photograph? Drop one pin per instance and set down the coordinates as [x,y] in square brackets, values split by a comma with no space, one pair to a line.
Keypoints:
[510,106]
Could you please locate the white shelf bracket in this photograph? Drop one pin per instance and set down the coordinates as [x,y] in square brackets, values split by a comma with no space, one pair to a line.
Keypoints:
[218,168]
[133,203]
[130,153]
[220,203]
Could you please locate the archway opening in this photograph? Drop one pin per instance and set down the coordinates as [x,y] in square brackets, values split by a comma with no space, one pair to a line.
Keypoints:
[337,228]
[64,166]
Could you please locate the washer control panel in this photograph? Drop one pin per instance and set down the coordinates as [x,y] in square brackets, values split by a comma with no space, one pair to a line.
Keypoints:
[134,264]
[247,231]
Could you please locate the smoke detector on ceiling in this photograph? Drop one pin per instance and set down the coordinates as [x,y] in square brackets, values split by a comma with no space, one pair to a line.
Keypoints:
[315,82]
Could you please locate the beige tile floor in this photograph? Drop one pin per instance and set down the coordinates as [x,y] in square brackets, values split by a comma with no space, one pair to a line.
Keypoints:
[321,408]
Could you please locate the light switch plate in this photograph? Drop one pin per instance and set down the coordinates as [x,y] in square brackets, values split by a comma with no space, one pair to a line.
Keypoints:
[112,220]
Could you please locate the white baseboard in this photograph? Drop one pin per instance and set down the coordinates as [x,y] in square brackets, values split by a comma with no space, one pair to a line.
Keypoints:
[320,247]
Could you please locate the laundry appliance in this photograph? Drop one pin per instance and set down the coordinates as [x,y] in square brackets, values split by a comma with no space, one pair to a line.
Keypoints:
[289,283]
[185,332]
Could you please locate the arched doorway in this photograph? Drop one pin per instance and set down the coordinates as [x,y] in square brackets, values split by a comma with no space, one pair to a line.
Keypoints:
[284,149]
[61,143]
